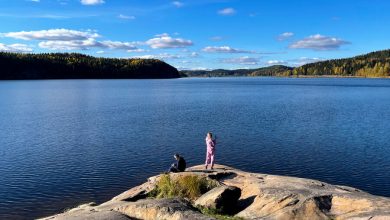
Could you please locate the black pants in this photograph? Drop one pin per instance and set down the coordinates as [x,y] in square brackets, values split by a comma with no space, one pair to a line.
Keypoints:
[173,169]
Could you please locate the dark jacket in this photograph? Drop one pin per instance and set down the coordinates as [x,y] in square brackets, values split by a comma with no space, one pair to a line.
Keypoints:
[181,164]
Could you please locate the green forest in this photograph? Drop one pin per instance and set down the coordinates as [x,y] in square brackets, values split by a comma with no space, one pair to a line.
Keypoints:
[375,64]
[265,71]
[78,66]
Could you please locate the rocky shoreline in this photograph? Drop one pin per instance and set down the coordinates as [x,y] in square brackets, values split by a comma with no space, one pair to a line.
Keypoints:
[253,195]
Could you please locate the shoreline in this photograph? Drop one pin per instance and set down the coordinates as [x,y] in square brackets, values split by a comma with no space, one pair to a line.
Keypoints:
[295,77]
[202,77]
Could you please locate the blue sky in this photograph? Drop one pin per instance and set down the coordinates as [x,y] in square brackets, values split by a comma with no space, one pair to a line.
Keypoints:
[199,34]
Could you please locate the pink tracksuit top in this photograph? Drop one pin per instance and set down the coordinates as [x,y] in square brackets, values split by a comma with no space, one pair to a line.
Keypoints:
[210,145]
[210,151]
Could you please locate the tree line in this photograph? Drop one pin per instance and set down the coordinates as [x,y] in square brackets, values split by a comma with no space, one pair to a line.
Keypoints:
[265,71]
[79,66]
[375,64]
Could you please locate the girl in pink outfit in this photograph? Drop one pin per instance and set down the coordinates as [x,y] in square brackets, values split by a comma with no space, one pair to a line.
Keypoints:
[210,143]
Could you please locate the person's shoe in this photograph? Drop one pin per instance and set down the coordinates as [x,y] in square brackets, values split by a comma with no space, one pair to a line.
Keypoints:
[212,168]
[206,167]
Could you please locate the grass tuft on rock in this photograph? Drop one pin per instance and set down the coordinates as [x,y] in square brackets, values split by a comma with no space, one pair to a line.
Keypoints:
[187,186]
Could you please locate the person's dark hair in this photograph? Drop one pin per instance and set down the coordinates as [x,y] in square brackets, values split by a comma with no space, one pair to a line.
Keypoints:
[176,155]
[211,134]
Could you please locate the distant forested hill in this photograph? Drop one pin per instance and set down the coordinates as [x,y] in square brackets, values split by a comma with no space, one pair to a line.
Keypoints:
[79,66]
[265,71]
[375,64]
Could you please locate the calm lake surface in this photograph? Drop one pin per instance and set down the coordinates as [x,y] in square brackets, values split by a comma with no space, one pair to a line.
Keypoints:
[63,143]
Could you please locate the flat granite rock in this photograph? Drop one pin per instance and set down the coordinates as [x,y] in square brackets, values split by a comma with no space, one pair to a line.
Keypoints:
[86,212]
[282,197]
[156,209]
[262,196]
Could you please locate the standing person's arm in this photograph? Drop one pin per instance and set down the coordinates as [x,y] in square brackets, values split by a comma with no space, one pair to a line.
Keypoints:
[211,143]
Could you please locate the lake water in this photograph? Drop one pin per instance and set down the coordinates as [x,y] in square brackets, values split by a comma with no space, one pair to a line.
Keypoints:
[63,143]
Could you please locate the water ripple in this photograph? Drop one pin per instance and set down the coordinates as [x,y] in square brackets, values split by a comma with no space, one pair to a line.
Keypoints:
[64,143]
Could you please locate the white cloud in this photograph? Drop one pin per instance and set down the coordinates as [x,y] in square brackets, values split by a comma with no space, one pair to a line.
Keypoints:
[92,2]
[276,62]
[305,60]
[17,48]
[162,56]
[224,49]
[242,60]
[162,35]
[34,0]
[50,16]
[64,39]
[100,52]
[178,4]
[164,41]
[285,36]
[126,17]
[52,34]
[138,50]
[227,11]
[63,2]
[252,15]
[86,44]
[295,62]
[194,54]
[68,45]
[318,42]
[118,45]
[216,38]
[149,56]
[185,61]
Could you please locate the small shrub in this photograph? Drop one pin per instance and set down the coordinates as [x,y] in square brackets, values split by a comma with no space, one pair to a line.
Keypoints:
[186,186]
[166,187]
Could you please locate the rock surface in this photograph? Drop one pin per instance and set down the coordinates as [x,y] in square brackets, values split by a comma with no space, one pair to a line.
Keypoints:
[88,212]
[222,198]
[262,197]
[174,209]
